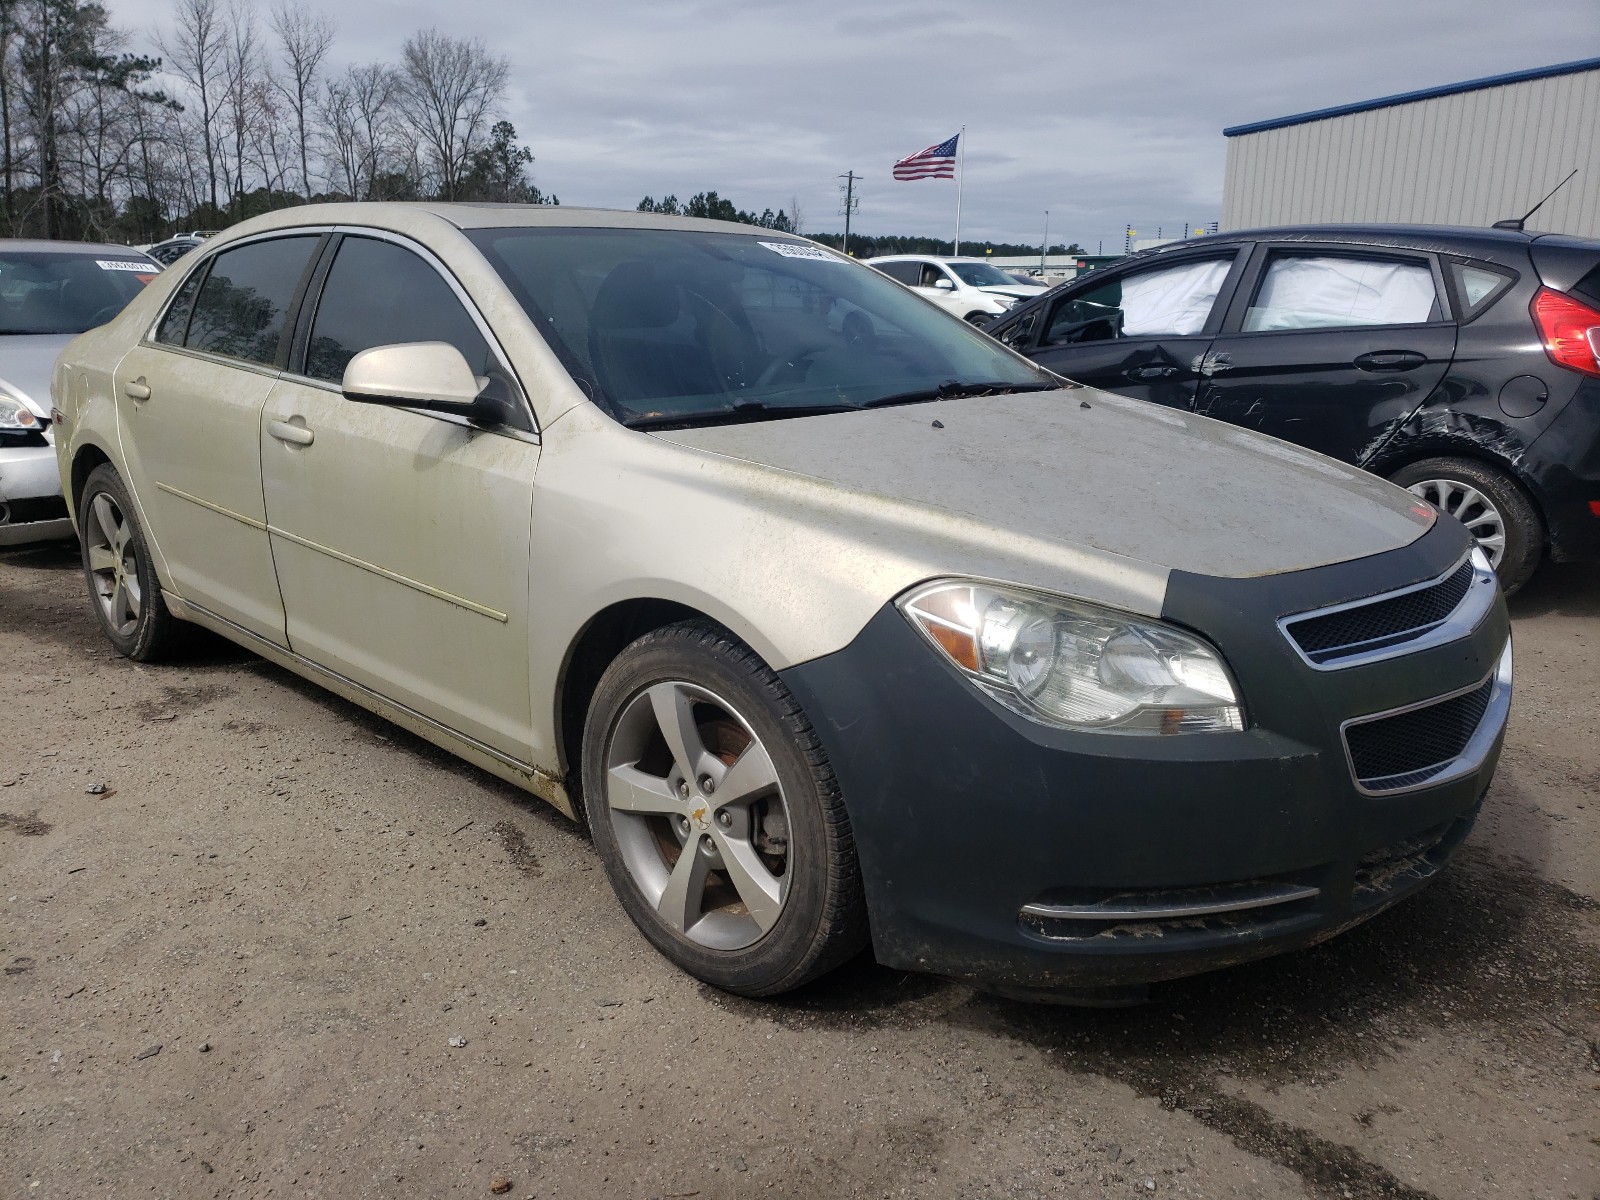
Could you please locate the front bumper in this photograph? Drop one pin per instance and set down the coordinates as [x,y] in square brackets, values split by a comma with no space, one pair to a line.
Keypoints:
[994,848]
[32,508]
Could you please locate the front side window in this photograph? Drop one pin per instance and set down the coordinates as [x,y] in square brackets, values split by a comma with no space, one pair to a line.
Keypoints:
[50,291]
[381,294]
[668,326]
[1314,292]
[1173,300]
[933,275]
[245,298]
[175,324]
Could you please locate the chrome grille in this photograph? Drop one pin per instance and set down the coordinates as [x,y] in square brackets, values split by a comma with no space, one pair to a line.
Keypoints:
[1358,630]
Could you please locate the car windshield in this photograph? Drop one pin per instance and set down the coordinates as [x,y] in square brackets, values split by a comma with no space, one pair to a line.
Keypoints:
[982,275]
[670,326]
[44,291]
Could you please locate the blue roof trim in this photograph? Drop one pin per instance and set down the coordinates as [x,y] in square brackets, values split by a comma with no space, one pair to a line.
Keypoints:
[1449,89]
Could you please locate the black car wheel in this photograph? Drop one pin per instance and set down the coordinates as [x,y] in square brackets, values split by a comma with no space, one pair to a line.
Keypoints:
[1494,507]
[717,816]
[121,577]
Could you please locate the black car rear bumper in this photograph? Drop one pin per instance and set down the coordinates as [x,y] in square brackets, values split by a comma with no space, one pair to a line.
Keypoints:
[1036,859]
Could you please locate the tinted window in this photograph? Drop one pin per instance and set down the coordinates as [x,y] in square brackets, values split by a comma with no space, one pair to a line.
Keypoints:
[1174,300]
[176,323]
[668,325]
[381,294]
[983,275]
[45,291]
[905,272]
[246,296]
[1307,292]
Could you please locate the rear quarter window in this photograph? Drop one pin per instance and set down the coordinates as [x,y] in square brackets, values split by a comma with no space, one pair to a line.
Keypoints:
[1477,286]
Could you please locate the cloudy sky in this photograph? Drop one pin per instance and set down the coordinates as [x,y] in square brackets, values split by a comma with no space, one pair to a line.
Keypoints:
[1104,113]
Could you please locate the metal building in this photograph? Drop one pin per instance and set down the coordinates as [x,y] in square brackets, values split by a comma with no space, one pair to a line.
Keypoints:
[1465,154]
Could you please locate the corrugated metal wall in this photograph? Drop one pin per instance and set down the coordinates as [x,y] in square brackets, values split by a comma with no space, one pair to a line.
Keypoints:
[1472,158]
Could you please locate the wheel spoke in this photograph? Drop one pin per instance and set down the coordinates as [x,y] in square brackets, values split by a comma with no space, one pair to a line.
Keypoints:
[105,516]
[679,905]
[674,710]
[119,605]
[102,559]
[751,776]
[760,890]
[130,592]
[629,789]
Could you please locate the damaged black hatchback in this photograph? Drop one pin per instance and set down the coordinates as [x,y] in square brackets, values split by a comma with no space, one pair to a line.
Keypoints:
[1463,364]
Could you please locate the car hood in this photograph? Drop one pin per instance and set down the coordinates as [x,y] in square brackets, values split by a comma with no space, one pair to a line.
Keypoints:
[1020,291]
[26,361]
[1091,470]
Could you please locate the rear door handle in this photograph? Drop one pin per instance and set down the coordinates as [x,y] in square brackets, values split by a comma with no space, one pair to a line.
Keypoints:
[136,389]
[295,435]
[1214,362]
[1151,372]
[1391,360]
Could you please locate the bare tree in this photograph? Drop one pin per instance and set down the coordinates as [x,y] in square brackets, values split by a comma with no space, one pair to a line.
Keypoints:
[358,113]
[194,51]
[243,86]
[796,215]
[304,38]
[451,87]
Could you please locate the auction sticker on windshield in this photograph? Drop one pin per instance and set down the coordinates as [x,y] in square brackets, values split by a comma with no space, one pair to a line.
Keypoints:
[122,264]
[795,250]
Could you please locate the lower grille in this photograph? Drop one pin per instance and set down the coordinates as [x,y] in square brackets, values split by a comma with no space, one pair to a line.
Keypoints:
[1409,748]
[1158,912]
[40,508]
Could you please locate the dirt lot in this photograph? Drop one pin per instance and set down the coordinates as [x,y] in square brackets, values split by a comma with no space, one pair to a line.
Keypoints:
[238,971]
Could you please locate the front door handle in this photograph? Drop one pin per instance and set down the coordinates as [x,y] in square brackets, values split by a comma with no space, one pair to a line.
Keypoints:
[1391,360]
[295,435]
[1151,372]
[136,389]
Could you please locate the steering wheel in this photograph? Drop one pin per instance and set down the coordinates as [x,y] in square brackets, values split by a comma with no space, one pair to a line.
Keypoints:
[796,362]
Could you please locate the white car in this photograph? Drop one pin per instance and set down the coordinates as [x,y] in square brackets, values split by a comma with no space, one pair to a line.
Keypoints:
[969,287]
[49,293]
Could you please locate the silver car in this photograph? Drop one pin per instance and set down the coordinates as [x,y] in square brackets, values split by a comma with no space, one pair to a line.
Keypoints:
[836,621]
[49,293]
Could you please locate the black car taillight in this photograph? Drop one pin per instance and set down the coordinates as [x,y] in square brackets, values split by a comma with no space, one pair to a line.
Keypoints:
[1570,330]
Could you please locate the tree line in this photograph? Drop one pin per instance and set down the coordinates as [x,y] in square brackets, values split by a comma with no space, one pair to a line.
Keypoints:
[867,246]
[238,113]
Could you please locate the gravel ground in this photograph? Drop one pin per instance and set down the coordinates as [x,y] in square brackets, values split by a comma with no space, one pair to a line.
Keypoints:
[256,942]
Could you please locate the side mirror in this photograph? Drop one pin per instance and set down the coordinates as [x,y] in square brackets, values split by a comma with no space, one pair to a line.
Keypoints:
[431,375]
[944,285]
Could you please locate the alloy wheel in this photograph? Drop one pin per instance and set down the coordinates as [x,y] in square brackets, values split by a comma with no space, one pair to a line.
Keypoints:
[699,815]
[1472,508]
[113,564]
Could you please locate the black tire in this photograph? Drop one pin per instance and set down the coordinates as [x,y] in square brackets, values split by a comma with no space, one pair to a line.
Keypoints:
[980,319]
[1523,529]
[821,921]
[154,633]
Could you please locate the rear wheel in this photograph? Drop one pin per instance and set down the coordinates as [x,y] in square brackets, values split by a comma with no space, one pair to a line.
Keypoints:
[717,816]
[1497,512]
[121,576]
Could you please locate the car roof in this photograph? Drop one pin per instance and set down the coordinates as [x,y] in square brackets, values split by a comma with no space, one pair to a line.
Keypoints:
[1407,237]
[933,258]
[44,245]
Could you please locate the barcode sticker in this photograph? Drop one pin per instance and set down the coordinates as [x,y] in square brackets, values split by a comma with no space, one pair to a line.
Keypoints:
[796,250]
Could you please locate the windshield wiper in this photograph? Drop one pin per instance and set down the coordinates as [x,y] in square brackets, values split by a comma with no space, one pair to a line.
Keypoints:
[741,411]
[955,389]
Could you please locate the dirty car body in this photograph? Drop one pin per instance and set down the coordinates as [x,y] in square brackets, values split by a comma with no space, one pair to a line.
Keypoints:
[1458,362]
[834,619]
[49,293]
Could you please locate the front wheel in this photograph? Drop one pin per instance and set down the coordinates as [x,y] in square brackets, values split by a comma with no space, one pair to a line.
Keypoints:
[1497,512]
[717,816]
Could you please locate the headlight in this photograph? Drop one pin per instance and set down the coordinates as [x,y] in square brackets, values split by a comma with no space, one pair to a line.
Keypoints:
[14,414]
[1076,665]
[1005,301]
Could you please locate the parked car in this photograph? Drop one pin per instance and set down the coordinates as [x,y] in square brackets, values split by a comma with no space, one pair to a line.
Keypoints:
[175,247]
[49,293]
[831,616]
[1463,364]
[969,287]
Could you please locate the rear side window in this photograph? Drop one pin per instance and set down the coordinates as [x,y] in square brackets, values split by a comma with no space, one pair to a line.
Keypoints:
[381,294]
[1174,300]
[1314,292]
[905,272]
[1477,286]
[245,298]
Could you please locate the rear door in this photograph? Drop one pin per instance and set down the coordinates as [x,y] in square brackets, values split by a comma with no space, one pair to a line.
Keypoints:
[1140,331]
[1330,347]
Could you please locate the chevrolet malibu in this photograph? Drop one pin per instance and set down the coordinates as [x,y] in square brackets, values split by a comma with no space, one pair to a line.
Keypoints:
[835,620]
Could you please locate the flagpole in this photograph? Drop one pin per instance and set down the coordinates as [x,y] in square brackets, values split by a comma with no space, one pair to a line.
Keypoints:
[961,169]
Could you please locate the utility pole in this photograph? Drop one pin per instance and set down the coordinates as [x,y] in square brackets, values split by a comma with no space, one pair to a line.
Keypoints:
[849,204]
[1044,250]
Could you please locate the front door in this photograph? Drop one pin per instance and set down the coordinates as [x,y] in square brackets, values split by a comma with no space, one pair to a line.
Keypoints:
[1330,350]
[189,403]
[1141,332]
[401,537]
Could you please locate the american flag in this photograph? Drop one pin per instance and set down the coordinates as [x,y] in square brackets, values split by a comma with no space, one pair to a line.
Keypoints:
[936,162]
